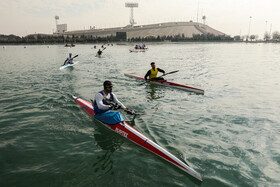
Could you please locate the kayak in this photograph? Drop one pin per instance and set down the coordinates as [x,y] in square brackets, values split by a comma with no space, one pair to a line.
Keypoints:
[69,45]
[171,84]
[69,65]
[135,136]
[137,50]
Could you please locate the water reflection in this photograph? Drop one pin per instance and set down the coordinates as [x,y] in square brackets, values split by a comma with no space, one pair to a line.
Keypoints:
[106,139]
[70,68]
[108,142]
[154,92]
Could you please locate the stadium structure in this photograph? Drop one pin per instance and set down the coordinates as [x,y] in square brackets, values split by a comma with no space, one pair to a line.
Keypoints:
[173,29]
[188,29]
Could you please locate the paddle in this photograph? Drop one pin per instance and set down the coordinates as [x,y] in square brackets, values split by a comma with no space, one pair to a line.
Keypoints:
[75,56]
[130,112]
[133,113]
[161,76]
[67,59]
[169,73]
[115,106]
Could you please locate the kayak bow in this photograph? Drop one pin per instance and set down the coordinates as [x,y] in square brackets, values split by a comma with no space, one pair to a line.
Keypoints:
[135,136]
[69,65]
[171,84]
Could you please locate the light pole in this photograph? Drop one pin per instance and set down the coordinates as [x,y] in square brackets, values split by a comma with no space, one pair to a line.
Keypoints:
[197,11]
[270,29]
[265,32]
[249,27]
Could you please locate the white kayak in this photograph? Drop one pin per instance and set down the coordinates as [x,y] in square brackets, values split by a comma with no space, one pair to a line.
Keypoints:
[69,65]
[137,50]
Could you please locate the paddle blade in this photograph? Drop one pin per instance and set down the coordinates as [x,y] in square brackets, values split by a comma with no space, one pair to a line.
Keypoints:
[142,83]
[172,72]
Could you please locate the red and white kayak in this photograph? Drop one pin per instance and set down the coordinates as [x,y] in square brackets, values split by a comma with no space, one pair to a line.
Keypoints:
[171,84]
[133,135]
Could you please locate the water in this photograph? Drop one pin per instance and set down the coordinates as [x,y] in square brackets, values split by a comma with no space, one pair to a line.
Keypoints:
[230,135]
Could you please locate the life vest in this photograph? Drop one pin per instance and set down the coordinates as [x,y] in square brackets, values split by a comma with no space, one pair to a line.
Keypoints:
[153,73]
[70,60]
[96,109]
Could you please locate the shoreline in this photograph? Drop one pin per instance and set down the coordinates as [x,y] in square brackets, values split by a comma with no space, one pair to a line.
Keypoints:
[133,42]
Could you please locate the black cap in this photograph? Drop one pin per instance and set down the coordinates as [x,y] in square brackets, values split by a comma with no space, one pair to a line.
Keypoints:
[107,84]
[152,63]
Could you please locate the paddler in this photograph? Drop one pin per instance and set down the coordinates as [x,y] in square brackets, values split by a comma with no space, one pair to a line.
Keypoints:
[105,101]
[152,73]
[99,52]
[69,60]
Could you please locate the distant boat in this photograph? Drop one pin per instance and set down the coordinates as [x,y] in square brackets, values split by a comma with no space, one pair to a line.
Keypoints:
[69,45]
[137,50]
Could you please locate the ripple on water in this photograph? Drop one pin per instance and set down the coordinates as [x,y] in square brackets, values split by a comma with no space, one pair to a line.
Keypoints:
[230,135]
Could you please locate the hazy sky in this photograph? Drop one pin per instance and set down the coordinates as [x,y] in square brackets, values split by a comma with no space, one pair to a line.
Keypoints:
[22,17]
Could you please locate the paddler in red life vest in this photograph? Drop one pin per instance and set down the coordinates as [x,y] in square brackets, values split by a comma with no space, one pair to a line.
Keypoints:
[105,101]
[152,73]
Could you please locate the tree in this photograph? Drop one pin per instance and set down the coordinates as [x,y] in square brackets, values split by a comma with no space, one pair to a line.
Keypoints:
[252,37]
[276,35]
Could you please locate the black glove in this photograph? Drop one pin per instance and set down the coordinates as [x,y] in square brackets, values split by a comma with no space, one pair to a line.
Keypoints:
[114,106]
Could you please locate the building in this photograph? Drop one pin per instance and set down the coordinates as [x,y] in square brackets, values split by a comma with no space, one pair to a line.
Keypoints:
[187,29]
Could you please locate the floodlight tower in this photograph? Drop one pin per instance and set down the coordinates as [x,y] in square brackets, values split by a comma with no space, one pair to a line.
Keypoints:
[56,21]
[204,19]
[131,6]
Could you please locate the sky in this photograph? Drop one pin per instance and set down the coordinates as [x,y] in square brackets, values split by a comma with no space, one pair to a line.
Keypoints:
[232,17]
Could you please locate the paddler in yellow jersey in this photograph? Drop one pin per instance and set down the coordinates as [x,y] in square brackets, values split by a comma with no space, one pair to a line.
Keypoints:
[152,73]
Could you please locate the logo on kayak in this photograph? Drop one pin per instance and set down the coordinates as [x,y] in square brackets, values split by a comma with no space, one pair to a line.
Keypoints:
[121,132]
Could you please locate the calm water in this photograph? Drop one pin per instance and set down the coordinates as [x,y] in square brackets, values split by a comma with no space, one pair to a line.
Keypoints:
[230,135]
